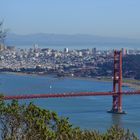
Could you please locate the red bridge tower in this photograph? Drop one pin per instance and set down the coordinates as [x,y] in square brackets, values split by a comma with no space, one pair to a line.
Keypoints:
[117,84]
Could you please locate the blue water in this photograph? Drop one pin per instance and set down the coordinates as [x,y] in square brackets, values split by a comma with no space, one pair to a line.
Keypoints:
[86,112]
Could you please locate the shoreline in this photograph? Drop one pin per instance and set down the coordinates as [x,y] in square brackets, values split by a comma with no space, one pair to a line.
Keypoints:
[132,83]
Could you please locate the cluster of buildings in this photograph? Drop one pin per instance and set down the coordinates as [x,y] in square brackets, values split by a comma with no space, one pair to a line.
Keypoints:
[84,62]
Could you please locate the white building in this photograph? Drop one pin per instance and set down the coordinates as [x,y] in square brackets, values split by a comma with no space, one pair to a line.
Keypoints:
[66,50]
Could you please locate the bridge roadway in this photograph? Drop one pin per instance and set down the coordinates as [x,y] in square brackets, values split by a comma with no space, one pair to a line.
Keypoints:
[63,95]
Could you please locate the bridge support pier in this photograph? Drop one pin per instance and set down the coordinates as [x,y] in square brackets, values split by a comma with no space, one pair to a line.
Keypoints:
[117,84]
[117,106]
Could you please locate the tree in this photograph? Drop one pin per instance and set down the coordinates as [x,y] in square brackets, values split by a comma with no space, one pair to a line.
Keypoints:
[3,33]
[29,122]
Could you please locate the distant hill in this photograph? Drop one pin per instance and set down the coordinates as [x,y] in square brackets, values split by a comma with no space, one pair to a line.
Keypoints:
[63,39]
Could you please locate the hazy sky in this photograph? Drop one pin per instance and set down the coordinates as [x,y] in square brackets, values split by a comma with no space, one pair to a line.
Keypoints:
[98,17]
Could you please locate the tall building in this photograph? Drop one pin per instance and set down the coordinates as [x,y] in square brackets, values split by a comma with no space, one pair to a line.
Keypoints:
[66,50]
[80,53]
[94,51]
[124,51]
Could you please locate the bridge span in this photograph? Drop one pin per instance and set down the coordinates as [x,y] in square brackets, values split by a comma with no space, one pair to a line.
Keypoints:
[72,94]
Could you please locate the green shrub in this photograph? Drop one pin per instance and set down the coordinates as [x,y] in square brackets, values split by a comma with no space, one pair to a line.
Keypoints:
[29,122]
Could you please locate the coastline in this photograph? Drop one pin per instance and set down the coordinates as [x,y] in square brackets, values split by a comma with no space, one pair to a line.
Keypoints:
[132,83]
[126,82]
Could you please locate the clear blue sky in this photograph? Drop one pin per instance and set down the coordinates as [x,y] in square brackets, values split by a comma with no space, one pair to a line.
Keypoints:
[98,17]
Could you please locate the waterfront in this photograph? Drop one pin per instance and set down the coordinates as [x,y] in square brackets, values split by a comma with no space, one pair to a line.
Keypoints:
[86,112]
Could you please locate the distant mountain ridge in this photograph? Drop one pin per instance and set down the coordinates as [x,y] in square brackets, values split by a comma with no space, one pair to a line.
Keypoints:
[63,39]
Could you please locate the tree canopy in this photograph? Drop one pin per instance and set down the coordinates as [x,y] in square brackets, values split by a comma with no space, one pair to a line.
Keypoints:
[3,32]
[30,122]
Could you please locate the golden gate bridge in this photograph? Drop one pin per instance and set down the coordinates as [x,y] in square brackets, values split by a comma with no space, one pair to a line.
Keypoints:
[116,93]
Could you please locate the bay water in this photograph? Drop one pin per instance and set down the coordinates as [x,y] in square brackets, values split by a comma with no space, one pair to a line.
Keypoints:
[84,112]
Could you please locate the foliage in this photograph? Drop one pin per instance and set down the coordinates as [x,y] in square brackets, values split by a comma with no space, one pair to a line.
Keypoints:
[131,67]
[3,32]
[29,122]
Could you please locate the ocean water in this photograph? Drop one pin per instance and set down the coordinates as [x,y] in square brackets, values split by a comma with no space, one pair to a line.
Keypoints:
[85,112]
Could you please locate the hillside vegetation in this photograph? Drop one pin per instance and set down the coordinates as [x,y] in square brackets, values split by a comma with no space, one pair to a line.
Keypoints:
[131,67]
[29,122]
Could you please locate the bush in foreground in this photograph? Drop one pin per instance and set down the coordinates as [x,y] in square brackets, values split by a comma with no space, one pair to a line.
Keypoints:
[29,122]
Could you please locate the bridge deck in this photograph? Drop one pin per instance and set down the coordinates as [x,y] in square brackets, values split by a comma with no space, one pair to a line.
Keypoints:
[68,95]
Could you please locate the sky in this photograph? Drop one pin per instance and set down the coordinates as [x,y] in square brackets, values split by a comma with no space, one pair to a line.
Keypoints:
[114,18]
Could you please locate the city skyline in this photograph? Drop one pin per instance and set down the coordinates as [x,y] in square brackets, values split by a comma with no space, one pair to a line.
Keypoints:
[103,18]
